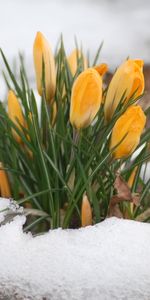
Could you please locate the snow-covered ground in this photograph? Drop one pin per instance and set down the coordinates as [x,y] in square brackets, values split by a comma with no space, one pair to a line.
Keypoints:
[109,261]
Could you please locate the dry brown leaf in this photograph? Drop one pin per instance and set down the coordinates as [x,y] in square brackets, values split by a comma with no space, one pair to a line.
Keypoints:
[122,188]
[123,194]
[114,210]
[136,199]
[143,216]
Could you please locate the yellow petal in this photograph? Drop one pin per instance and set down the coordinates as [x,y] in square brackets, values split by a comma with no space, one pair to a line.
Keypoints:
[86,212]
[127,79]
[4,183]
[128,127]
[15,114]
[138,85]
[54,113]
[132,177]
[140,63]
[86,98]
[43,53]
[101,69]
[73,60]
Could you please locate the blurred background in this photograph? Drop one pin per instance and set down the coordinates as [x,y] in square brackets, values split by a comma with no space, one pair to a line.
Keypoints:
[122,25]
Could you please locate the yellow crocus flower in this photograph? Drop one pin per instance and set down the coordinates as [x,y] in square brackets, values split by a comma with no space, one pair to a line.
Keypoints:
[86,98]
[129,126]
[73,60]
[15,114]
[54,113]
[86,212]
[4,183]
[128,79]
[42,53]
[101,69]
[132,177]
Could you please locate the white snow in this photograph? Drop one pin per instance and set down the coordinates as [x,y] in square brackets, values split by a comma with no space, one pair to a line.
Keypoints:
[145,170]
[110,260]
[4,203]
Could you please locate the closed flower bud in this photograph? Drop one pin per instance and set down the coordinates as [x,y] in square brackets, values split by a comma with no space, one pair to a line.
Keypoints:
[86,212]
[86,98]
[43,55]
[101,69]
[15,114]
[132,177]
[127,132]
[73,60]
[54,113]
[4,183]
[128,80]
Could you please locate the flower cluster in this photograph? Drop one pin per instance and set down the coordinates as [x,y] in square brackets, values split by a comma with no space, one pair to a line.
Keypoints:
[109,119]
[87,91]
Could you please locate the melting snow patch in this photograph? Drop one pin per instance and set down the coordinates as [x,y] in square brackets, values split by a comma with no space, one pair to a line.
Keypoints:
[110,260]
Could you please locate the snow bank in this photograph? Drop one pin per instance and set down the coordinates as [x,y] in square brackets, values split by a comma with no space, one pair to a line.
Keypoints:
[110,260]
[4,203]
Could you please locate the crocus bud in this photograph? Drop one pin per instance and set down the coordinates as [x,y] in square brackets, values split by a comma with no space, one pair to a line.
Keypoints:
[54,113]
[43,55]
[86,98]
[15,114]
[73,60]
[86,212]
[101,69]
[132,177]
[127,131]
[128,80]
[4,183]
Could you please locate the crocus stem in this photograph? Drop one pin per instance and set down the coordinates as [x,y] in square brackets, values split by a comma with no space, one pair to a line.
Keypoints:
[75,142]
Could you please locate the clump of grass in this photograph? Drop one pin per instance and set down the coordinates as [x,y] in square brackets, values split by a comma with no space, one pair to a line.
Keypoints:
[55,165]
